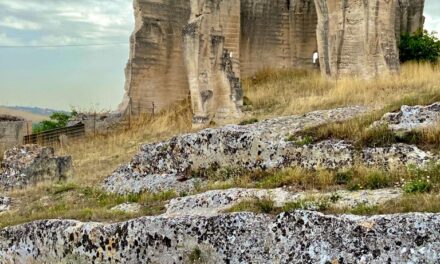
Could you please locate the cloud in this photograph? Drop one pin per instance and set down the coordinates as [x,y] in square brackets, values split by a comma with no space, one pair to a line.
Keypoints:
[432,24]
[6,40]
[54,22]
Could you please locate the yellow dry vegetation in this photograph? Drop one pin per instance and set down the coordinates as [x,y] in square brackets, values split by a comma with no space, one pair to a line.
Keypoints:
[270,93]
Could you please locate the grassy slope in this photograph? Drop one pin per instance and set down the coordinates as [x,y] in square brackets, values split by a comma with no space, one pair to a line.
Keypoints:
[26,115]
[271,93]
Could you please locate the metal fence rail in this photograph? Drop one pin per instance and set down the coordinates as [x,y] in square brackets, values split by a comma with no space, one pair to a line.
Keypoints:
[52,137]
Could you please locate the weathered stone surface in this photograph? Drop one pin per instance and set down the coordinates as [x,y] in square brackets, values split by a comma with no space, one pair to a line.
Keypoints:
[5,204]
[256,146]
[409,16]
[212,58]
[393,157]
[353,38]
[217,201]
[298,237]
[12,131]
[277,34]
[357,38]
[127,208]
[29,164]
[155,74]
[412,117]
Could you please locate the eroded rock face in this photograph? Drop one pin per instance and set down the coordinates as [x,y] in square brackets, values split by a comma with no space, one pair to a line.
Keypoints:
[211,50]
[155,74]
[412,117]
[298,237]
[202,47]
[357,38]
[30,164]
[277,34]
[409,16]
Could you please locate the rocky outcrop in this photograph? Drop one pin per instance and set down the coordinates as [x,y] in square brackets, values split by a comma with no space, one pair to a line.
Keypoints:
[297,237]
[5,204]
[203,47]
[211,51]
[357,38]
[184,161]
[412,117]
[218,201]
[30,164]
[169,165]
[129,208]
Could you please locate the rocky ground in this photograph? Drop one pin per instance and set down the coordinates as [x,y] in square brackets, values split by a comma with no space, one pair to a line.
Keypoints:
[205,227]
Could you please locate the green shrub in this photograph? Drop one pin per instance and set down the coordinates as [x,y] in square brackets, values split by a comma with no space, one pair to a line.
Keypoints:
[419,46]
[418,186]
[377,180]
[57,120]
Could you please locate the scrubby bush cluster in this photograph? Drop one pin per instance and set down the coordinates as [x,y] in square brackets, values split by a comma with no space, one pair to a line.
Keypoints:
[420,46]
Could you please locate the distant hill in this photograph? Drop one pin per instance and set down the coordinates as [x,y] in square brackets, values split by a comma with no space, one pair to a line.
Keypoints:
[28,115]
[34,110]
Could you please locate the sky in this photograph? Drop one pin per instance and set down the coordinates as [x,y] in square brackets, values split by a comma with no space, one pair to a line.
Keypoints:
[81,77]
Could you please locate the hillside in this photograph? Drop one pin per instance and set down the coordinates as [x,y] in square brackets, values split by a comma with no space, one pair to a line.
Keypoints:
[305,143]
[35,118]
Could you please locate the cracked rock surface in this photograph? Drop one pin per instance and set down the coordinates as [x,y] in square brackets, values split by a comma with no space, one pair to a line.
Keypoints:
[30,164]
[217,201]
[172,164]
[298,237]
[412,117]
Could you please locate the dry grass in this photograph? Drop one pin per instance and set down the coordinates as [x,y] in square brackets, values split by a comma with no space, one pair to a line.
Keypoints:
[271,93]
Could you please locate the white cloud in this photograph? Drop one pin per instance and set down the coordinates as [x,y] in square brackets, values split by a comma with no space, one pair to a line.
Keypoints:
[432,24]
[5,40]
[16,23]
[54,22]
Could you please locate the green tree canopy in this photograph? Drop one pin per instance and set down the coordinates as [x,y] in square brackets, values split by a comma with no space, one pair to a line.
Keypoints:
[57,120]
[420,46]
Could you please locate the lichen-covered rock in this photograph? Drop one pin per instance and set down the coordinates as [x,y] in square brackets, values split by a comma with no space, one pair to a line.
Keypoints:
[127,208]
[258,146]
[298,237]
[29,164]
[5,204]
[412,117]
[393,157]
[180,163]
[217,201]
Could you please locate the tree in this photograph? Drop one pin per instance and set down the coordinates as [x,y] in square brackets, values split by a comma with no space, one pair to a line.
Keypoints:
[57,120]
[420,46]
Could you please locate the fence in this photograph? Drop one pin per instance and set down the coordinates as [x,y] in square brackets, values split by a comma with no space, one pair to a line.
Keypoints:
[52,137]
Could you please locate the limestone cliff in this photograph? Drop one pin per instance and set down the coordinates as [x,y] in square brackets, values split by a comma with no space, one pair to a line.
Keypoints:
[201,48]
[155,74]
[357,37]
[211,49]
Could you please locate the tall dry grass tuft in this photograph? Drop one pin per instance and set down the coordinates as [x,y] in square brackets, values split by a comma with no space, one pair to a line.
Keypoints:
[284,92]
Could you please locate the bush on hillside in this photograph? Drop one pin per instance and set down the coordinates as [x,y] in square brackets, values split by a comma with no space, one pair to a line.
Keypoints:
[420,46]
[57,120]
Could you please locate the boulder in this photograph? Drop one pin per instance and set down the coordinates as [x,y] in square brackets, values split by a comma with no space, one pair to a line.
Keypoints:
[29,164]
[412,118]
[297,237]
